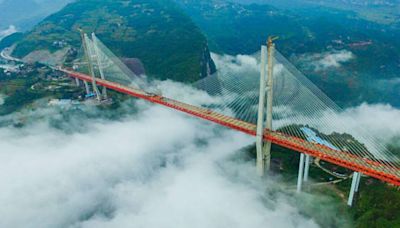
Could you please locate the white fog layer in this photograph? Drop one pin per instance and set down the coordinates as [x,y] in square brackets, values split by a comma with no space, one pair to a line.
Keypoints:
[157,168]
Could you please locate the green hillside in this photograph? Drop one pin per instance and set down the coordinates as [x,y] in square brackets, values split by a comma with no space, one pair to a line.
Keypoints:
[156,31]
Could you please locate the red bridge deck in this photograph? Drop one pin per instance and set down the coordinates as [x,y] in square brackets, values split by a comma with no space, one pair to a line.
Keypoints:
[366,166]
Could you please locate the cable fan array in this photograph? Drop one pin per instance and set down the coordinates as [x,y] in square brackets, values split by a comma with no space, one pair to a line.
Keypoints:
[237,84]
[300,109]
[106,65]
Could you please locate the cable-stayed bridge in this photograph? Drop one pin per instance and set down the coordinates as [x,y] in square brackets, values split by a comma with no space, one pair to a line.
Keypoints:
[262,95]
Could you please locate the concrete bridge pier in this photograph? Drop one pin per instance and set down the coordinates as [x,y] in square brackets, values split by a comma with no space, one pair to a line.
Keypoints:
[264,121]
[300,175]
[87,87]
[358,182]
[261,115]
[355,184]
[85,83]
[307,167]
[304,169]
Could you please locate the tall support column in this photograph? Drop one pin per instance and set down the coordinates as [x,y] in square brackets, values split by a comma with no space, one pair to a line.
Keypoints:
[261,110]
[358,182]
[353,189]
[97,52]
[77,82]
[270,86]
[301,173]
[265,106]
[86,87]
[85,42]
[307,167]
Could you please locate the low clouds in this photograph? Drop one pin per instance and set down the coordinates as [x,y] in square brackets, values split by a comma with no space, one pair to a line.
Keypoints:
[236,64]
[250,63]
[379,120]
[327,60]
[185,93]
[10,30]
[156,168]
[335,59]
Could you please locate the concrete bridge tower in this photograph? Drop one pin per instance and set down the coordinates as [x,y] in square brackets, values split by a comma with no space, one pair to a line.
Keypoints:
[264,121]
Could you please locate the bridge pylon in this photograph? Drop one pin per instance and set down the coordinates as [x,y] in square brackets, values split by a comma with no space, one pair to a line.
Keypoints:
[355,185]
[78,83]
[88,55]
[99,63]
[264,121]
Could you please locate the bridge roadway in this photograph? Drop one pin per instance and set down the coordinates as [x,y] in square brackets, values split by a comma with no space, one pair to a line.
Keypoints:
[364,165]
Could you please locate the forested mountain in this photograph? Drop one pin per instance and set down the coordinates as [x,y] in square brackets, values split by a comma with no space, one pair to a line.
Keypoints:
[308,35]
[380,11]
[170,45]
[156,31]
